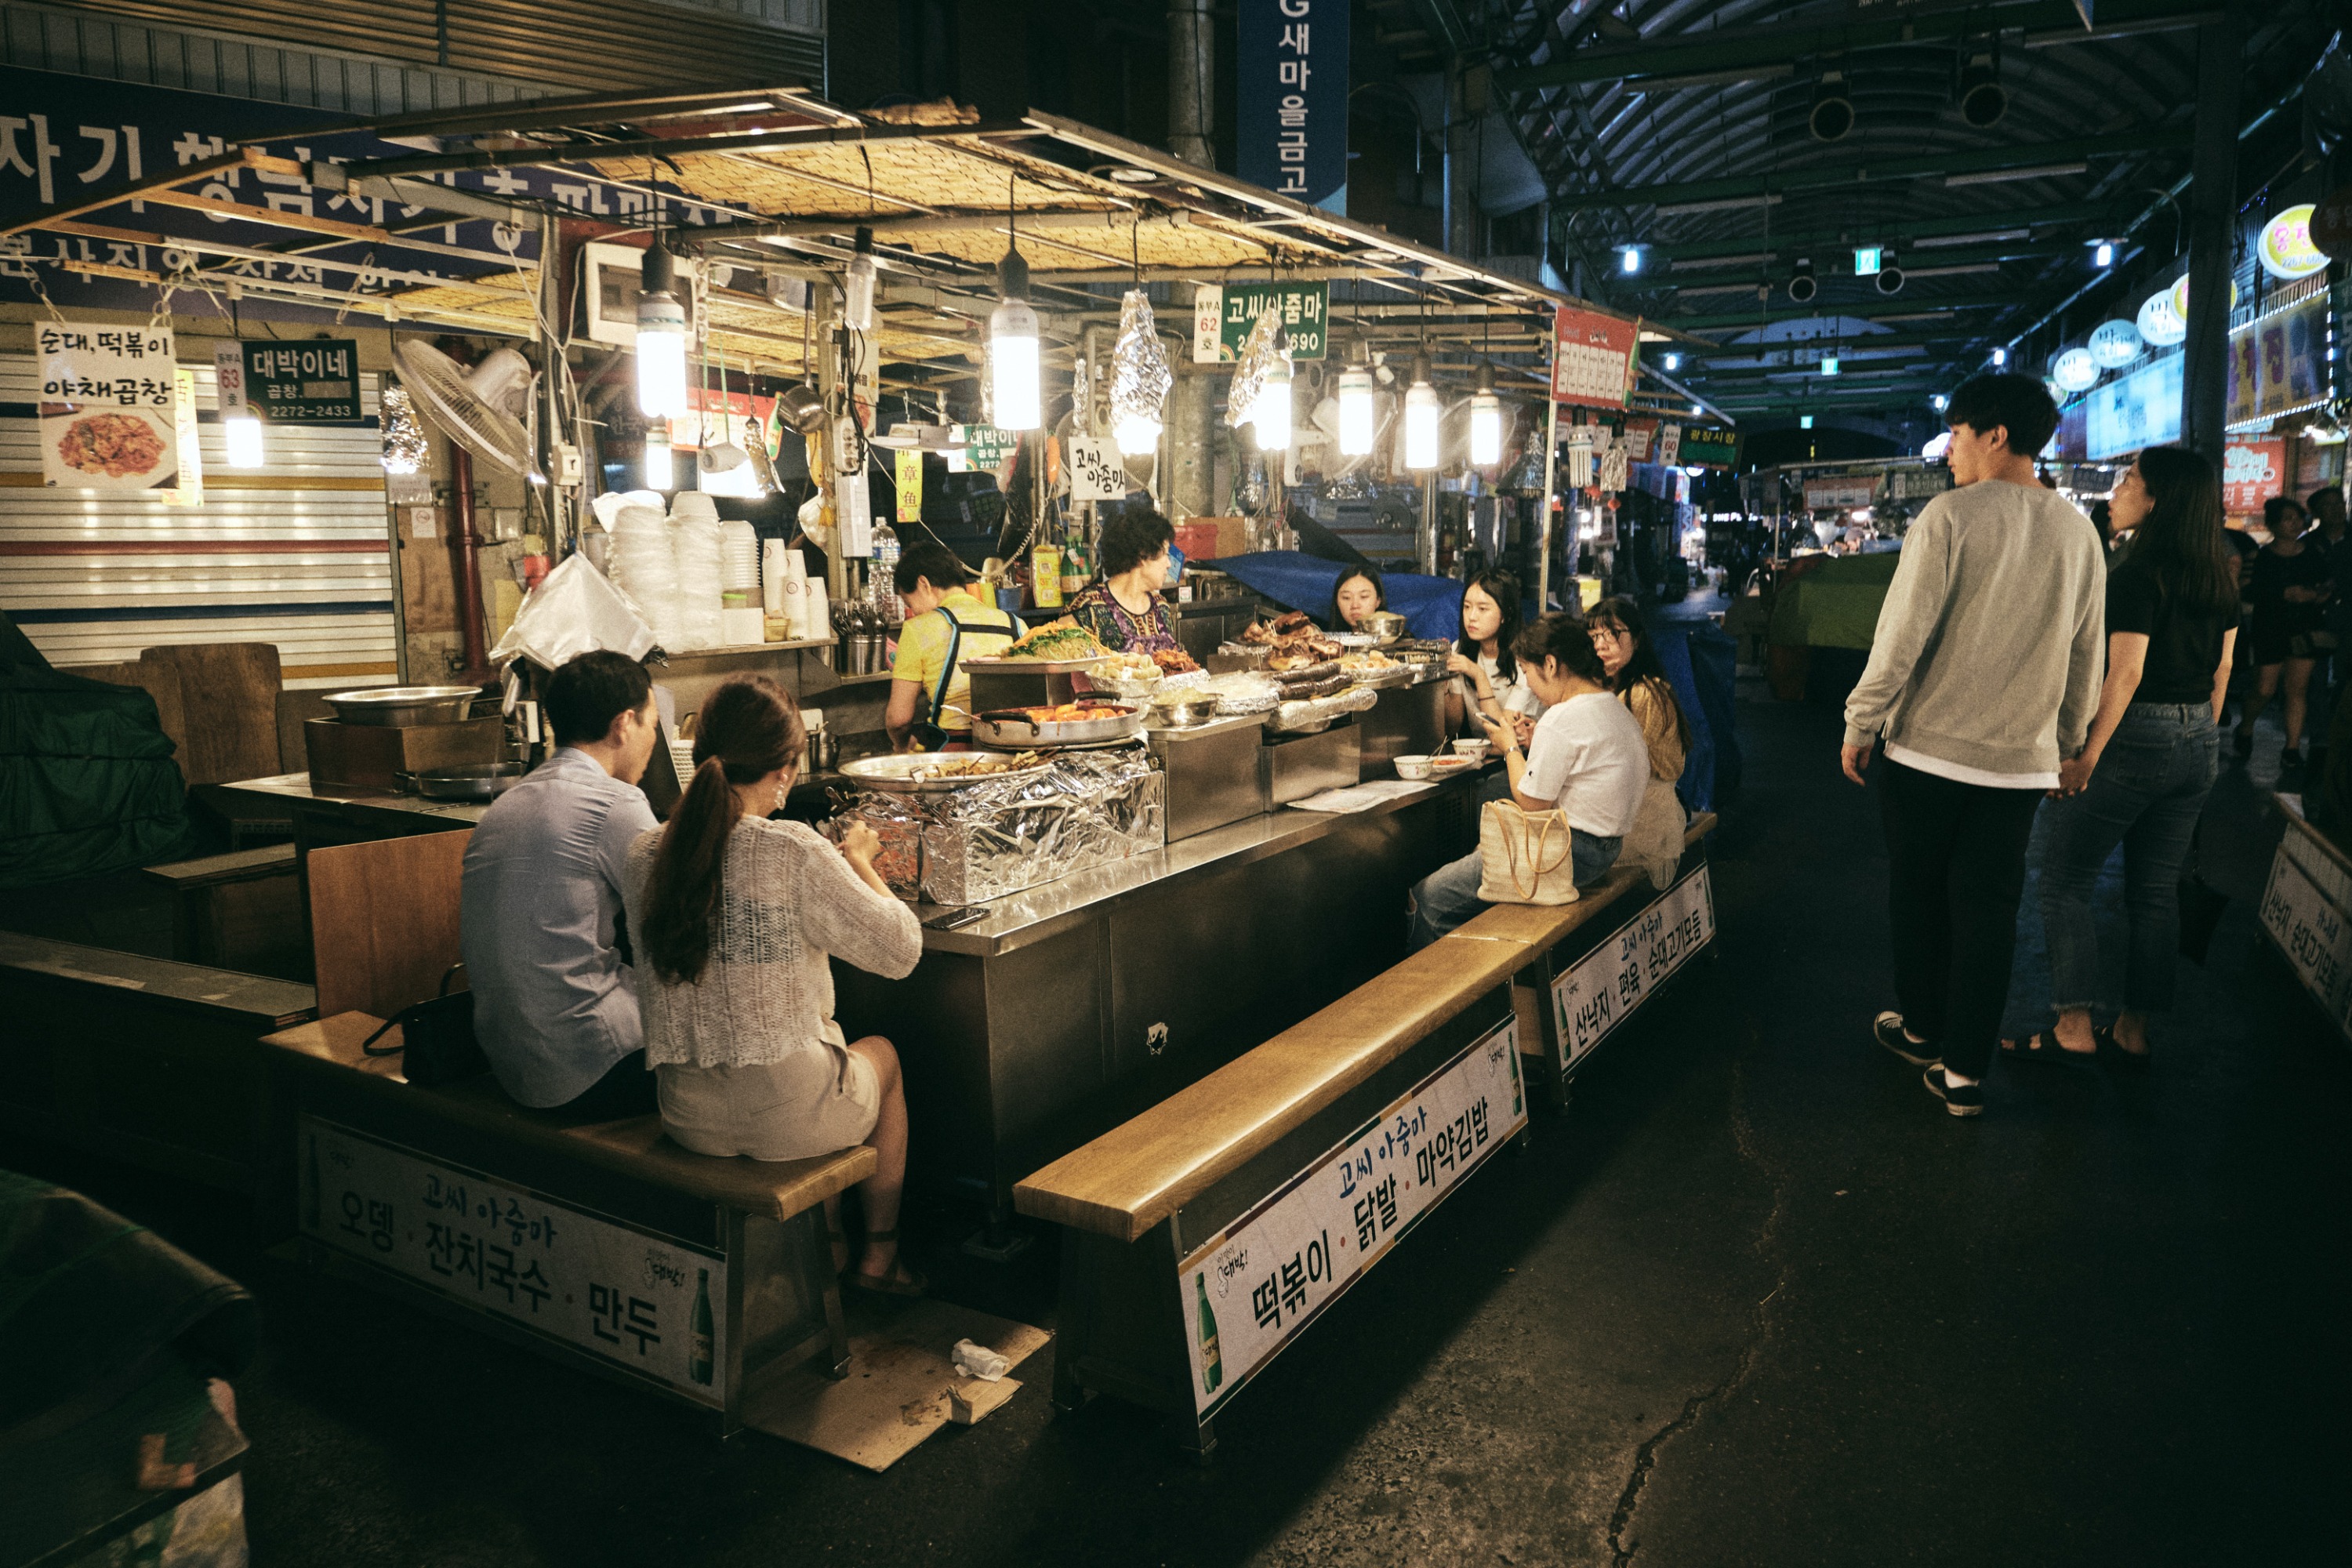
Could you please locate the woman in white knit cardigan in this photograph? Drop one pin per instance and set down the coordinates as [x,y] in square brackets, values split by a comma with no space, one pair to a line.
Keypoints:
[734,919]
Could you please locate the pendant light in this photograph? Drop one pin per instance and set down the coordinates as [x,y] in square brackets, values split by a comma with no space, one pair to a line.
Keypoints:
[857,286]
[1013,399]
[1358,417]
[1486,419]
[1271,412]
[241,434]
[661,337]
[1422,409]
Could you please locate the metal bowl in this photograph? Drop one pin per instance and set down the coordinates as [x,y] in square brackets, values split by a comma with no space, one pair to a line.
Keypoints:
[403,704]
[1385,625]
[1012,729]
[1183,709]
[908,773]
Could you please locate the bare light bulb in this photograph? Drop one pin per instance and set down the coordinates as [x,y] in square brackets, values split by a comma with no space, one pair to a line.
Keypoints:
[242,435]
[1013,379]
[1137,436]
[1485,420]
[857,286]
[661,338]
[661,465]
[1358,416]
[1421,413]
[1271,412]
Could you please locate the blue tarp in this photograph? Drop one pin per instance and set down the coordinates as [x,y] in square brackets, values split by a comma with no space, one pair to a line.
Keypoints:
[1432,606]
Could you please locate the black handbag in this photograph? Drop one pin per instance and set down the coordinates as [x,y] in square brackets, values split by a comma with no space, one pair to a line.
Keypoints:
[437,1044]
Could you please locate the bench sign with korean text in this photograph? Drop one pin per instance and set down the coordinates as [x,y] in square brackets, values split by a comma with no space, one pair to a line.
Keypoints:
[1600,990]
[2304,908]
[1266,1276]
[638,1302]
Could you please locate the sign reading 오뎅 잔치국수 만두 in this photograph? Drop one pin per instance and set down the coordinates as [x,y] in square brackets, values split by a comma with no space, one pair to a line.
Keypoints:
[1594,358]
[108,413]
[637,1301]
[1263,1279]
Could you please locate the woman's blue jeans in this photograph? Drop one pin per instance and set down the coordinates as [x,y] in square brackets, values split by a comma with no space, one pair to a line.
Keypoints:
[1448,896]
[2145,794]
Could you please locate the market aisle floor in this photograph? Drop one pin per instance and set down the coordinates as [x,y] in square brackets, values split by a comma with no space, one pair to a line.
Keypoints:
[1756,1300]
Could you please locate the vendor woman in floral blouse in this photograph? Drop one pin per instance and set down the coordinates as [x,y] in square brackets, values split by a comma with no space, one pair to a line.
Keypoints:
[1123,608]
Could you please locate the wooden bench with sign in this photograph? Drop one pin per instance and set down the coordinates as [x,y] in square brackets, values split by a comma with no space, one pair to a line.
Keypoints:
[1206,1234]
[603,1244]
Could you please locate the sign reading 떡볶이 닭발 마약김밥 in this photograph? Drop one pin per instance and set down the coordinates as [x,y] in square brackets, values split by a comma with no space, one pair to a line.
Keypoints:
[106,410]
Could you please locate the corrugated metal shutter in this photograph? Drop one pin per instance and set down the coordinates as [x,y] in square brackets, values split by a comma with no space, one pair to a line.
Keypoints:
[587,44]
[295,553]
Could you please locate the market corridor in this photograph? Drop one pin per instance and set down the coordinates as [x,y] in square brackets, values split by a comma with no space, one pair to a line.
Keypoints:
[1753,1301]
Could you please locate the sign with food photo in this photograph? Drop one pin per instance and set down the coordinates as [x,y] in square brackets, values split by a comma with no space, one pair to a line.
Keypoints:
[108,419]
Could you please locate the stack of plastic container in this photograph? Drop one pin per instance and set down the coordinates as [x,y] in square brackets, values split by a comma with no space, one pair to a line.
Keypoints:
[738,565]
[694,519]
[645,568]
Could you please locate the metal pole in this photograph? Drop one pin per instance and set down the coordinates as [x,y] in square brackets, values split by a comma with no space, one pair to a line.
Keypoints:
[1428,540]
[1551,459]
[2212,212]
[1192,82]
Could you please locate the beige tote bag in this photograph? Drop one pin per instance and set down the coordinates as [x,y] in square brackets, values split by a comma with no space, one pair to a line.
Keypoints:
[1525,858]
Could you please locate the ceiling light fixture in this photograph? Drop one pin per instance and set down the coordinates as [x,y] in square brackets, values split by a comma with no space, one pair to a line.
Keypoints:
[1013,380]
[1802,288]
[1831,115]
[2030,171]
[1422,409]
[661,336]
[1486,419]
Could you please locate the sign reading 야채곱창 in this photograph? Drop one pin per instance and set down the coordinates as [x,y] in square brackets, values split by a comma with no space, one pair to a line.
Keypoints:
[1263,1279]
[306,381]
[1223,317]
[107,411]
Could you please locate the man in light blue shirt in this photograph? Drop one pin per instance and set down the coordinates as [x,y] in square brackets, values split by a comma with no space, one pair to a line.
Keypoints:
[555,1003]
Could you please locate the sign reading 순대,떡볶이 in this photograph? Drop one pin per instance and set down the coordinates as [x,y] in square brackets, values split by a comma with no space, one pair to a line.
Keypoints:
[644,1304]
[1263,1279]
[108,407]
[1602,989]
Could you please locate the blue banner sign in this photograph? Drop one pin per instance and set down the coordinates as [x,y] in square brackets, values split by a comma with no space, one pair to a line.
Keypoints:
[1291,101]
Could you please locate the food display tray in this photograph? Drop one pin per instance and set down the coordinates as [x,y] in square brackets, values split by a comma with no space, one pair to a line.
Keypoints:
[1036,666]
[891,773]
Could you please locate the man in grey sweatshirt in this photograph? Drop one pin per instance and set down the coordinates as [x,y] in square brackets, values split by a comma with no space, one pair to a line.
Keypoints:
[1983,676]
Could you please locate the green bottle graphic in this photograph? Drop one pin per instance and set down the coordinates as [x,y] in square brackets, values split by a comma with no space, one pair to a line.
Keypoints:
[697,1354]
[310,1197]
[1213,1365]
[1518,1100]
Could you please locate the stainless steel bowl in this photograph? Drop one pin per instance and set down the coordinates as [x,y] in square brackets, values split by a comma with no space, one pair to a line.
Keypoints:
[403,704]
[1184,707]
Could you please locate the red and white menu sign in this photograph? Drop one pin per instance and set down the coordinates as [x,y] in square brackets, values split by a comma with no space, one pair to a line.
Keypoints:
[2252,472]
[1594,358]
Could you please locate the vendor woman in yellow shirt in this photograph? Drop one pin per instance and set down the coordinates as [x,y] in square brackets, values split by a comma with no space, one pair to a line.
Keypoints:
[946,624]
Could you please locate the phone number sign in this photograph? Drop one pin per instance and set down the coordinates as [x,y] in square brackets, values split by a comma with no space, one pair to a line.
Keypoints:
[641,1303]
[1259,1283]
[1602,989]
[310,381]
[2301,912]
[1223,317]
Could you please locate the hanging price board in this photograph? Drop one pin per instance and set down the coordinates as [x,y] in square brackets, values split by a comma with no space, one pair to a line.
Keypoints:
[1095,471]
[1594,358]
[907,469]
[1223,317]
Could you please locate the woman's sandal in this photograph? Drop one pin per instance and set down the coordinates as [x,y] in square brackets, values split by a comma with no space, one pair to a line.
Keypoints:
[901,1282]
[2115,1052]
[2042,1047]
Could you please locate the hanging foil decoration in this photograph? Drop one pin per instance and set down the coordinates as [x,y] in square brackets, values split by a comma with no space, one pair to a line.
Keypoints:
[404,439]
[1139,377]
[1082,401]
[1258,355]
[1613,464]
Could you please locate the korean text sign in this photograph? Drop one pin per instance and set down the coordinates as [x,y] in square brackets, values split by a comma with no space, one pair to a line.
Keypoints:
[1602,989]
[307,381]
[1253,1289]
[108,419]
[644,1304]
[1223,317]
[1594,358]
[2252,472]
[1291,101]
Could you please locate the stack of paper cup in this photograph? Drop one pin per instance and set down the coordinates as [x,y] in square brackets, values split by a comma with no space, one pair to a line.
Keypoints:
[771,575]
[738,565]
[816,618]
[694,531]
[795,590]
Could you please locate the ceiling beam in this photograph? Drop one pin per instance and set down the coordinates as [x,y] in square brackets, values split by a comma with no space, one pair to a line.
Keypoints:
[1901,234]
[1736,321]
[1771,49]
[2033,154]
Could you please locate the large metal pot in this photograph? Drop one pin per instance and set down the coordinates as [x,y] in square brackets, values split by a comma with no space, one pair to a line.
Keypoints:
[403,704]
[1014,729]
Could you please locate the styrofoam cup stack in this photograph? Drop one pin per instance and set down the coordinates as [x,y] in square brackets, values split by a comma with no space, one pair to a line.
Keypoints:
[645,568]
[772,577]
[739,565]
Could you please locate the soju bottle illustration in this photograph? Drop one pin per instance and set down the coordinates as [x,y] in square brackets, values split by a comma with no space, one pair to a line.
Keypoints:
[311,1193]
[1518,1100]
[1213,1365]
[698,1356]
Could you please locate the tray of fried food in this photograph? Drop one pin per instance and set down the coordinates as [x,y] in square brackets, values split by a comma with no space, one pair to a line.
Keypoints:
[927,772]
[1057,648]
[1127,675]
[1376,669]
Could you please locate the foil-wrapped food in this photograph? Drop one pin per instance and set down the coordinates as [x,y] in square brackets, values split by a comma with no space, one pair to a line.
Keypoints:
[1012,831]
[1312,715]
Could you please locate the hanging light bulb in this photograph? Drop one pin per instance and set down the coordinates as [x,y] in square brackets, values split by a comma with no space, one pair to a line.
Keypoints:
[1359,415]
[1012,350]
[242,435]
[661,337]
[1139,378]
[661,466]
[1271,412]
[858,286]
[1486,419]
[1422,409]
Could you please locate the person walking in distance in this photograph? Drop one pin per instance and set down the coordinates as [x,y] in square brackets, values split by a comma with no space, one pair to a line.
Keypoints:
[1983,676]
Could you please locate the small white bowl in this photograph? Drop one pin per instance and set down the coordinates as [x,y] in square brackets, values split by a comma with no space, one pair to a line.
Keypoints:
[1475,750]
[1414,767]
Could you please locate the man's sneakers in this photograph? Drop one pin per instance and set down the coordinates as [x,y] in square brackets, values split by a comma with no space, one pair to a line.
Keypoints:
[1887,1030]
[1960,1099]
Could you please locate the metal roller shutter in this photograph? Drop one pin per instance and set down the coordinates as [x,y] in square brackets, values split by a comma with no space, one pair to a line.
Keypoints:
[296,553]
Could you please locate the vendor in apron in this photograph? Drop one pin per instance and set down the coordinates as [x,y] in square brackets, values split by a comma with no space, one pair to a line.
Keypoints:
[946,624]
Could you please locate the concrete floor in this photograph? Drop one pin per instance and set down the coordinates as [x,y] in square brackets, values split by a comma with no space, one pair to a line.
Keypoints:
[1755,1300]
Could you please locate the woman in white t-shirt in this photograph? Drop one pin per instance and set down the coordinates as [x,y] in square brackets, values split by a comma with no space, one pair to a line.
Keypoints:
[1489,687]
[1588,759]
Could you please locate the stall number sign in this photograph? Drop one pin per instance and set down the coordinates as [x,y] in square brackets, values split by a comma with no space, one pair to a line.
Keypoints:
[313,381]
[1605,986]
[1261,1280]
[640,1304]
[2311,930]
[985,448]
[1222,318]
[1095,471]
[106,411]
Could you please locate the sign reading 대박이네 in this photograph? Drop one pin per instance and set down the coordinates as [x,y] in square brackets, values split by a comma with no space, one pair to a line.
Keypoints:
[1594,358]
[984,449]
[641,1303]
[1290,99]
[107,409]
[1602,989]
[308,381]
[1223,317]
[1263,1279]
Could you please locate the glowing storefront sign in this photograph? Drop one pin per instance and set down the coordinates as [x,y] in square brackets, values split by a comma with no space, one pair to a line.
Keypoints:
[2286,249]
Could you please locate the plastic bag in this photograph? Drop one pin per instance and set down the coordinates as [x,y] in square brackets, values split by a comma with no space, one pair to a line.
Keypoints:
[574,610]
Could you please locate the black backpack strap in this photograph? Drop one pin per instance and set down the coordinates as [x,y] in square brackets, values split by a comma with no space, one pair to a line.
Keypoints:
[947,670]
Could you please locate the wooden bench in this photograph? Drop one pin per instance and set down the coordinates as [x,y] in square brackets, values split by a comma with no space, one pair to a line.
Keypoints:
[603,1244]
[1205,1234]
[241,911]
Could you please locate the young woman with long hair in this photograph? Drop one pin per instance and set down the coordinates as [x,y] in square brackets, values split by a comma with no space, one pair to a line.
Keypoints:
[1489,688]
[1359,592]
[1621,637]
[734,918]
[2151,755]
[2292,582]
